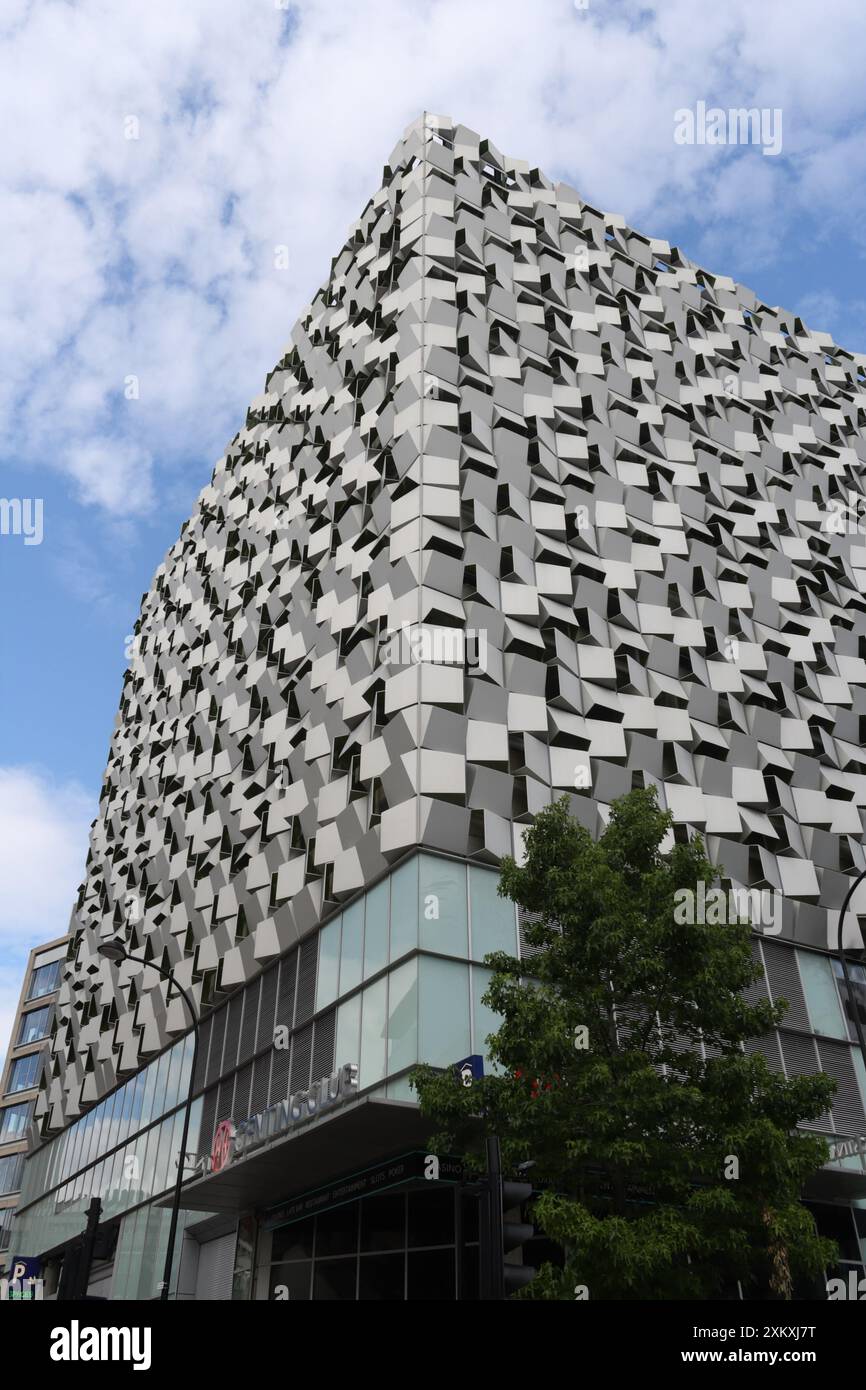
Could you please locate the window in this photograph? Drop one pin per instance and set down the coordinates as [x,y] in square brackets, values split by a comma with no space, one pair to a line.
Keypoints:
[376,929]
[394,1245]
[352,947]
[34,1026]
[25,1072]
[373,1033]
[404,908]
[327,979]
[403,1017]
[822,1000]
[10,1173]
[442,906]
[857,997]
[14,1121]
[484,1020]
[493,918]
[443,1011]
[44,980]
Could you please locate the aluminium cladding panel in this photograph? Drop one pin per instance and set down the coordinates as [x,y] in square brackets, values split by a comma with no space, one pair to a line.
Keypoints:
[271,1077]
[785,983]
[629,481]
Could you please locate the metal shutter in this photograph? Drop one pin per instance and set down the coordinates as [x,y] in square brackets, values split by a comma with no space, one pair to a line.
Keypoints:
[208,1121]
[243,1082]
[302,1051]
[225,1104]
[755,993]
[279,1085]
[251,1017]
[306,996]
[768,1046]
[214,1062]
[216,1263]
[323,1045]
[261,1077]
[785,983]
[286,995]
[847,1103]
[801,1059]
[265,1036]
[525,919]
[233,1031]
[204,1033]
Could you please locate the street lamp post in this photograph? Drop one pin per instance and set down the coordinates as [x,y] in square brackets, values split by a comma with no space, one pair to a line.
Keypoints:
[116,951]
[840,950]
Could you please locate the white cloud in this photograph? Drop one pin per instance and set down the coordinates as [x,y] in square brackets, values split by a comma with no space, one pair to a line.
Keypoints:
[113,474]
[12,969]
[153,256]
[43,849]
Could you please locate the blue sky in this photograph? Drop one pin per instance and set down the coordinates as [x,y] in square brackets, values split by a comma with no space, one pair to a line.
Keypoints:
[162,156]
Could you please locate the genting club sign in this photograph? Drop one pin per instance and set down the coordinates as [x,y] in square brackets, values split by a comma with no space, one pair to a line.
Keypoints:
[232,1141]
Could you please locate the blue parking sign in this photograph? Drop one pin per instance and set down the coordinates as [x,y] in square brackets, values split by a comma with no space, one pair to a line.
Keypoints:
[470,1069]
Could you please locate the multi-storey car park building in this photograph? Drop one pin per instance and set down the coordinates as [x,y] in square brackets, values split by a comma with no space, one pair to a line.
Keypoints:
[531,505]
[20,1073]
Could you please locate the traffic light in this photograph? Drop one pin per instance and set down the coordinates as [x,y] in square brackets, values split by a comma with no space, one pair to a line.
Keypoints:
[503,1231]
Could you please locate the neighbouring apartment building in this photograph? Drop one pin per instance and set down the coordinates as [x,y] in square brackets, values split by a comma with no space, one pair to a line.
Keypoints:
[21,1071]
[531,505]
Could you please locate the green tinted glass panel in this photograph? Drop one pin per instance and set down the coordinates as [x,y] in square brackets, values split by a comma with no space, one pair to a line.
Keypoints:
[404,909]
[348,1031]
[492,918]
[484,1020]
[443,1011]
[373,1021]
[352,948]
[822,1001]
[328,975]
[403,1016]
[442,906]
[376,929]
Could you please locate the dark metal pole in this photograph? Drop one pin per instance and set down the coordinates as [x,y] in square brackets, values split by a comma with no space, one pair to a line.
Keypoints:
[175,1206]
[85,1259]
[496,1273]
[855,1012]
[458,1234]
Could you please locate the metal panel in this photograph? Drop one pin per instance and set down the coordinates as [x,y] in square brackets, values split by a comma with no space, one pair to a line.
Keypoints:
[323,1045]
[847,1105]
[279,1083]
[205,1030]
[785,983]
[243,1084]
[208,1119]
[261,1083]
[306,996]
[265,1034]
[215,1056]
[233,1029]
[286,994]
[216,1263]
[302,1053]
[250,1021]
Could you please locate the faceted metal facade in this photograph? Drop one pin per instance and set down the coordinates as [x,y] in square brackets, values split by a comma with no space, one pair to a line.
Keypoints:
[506,413]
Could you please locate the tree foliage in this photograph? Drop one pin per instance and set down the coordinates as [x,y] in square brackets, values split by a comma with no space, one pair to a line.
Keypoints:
[669,1156]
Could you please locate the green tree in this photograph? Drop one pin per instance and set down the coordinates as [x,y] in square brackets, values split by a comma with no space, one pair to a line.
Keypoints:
[671,1157]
